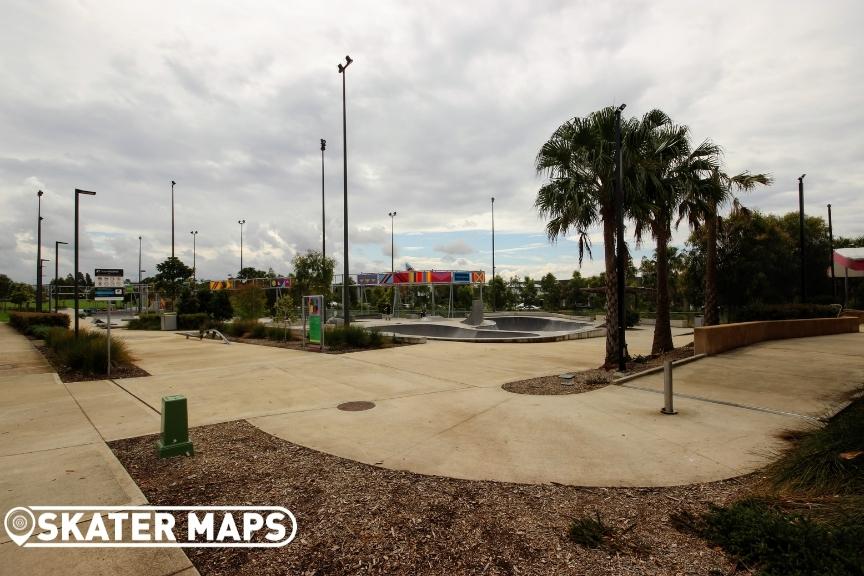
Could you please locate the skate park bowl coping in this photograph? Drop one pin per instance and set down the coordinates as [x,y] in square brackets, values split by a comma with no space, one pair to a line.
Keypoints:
[495,329]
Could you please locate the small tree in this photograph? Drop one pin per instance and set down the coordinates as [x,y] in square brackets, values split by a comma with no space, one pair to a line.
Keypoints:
[22,294]
[551,292]
[498,293]
[219,305]
[249,302]
[286,311]
[172,274]
[529,292]
[313,274]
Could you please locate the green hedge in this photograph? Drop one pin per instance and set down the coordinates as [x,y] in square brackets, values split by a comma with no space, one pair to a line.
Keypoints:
[24,322]
[756,312]
[87,353]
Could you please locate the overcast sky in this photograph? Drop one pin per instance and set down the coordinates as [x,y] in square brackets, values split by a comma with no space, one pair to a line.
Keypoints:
[448,104]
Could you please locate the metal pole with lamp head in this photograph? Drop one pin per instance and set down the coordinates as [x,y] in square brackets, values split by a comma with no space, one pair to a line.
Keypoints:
[39,253]
[323,209]
[392,242]
[77,194]
[345,301]
[493,253]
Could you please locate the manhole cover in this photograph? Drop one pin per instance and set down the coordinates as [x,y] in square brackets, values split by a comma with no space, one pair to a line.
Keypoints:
[355,406]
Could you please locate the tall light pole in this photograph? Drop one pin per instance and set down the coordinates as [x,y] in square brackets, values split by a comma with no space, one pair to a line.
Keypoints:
[392,243]
[77,194]
[346,316]
[493,253]
[139,274]
[323,216]
[57,273]
[173,183]
[831,248]
[622,249]
[801,234]
[241,222]
[194,274]
[39,252]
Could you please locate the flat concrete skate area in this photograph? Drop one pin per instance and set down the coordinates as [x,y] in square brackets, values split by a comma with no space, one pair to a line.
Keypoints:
[50,454]
[440,409]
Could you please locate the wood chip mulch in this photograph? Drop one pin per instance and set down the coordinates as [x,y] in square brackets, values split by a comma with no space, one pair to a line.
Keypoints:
[355,518]
[69,375]
[587,380]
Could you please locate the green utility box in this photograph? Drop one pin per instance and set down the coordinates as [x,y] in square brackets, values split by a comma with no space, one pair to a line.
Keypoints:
[175,428]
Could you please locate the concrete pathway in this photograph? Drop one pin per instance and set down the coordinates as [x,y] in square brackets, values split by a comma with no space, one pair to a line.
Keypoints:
[440,409]
[51,454]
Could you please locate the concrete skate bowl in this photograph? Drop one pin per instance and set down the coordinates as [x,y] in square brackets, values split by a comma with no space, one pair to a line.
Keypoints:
[536,324]
[524,330]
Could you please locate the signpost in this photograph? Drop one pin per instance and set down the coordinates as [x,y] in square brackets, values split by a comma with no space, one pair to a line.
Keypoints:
[313,307]
[109,288]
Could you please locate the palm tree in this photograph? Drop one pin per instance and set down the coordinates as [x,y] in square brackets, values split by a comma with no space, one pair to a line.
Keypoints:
[579,160]
[670,167]
[700,206]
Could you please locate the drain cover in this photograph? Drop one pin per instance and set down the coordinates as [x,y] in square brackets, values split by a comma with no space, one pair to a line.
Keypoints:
[566,376]
[356,406]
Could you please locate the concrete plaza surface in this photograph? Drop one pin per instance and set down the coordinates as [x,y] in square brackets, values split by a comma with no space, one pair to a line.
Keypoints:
[50,454]
[440,408]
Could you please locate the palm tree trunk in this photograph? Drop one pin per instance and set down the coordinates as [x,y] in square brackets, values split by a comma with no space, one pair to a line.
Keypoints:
[662,328]
[611,294]
[711,316]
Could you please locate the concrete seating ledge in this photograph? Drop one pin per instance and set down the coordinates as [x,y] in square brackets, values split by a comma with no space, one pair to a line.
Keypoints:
[716,339]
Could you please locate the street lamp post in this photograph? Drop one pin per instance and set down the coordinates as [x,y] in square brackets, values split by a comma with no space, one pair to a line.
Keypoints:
[392,243]
[493,254]
[346,316]
[139,274]
[194,274]
[801,234]
[39,253]
[173,183]
[323,216]
[831,248]
[241,222]
[77,194]
[57,273]
[622,250]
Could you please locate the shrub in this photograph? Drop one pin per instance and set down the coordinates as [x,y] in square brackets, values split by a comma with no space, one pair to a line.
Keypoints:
[756,312]
[24,321]
[817,466]
[258,331]
[241,328]
[588,531]
[145,322]
[756,532]
[351,337]
[631,318]
[279,333]
[87,353]
[192,321]
[40,331]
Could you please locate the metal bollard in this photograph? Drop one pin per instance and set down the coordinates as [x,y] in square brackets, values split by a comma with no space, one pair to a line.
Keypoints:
[667,389]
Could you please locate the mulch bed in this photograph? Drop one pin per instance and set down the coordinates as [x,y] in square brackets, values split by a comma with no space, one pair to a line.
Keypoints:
[69,375]
[359,519]
[587,380]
